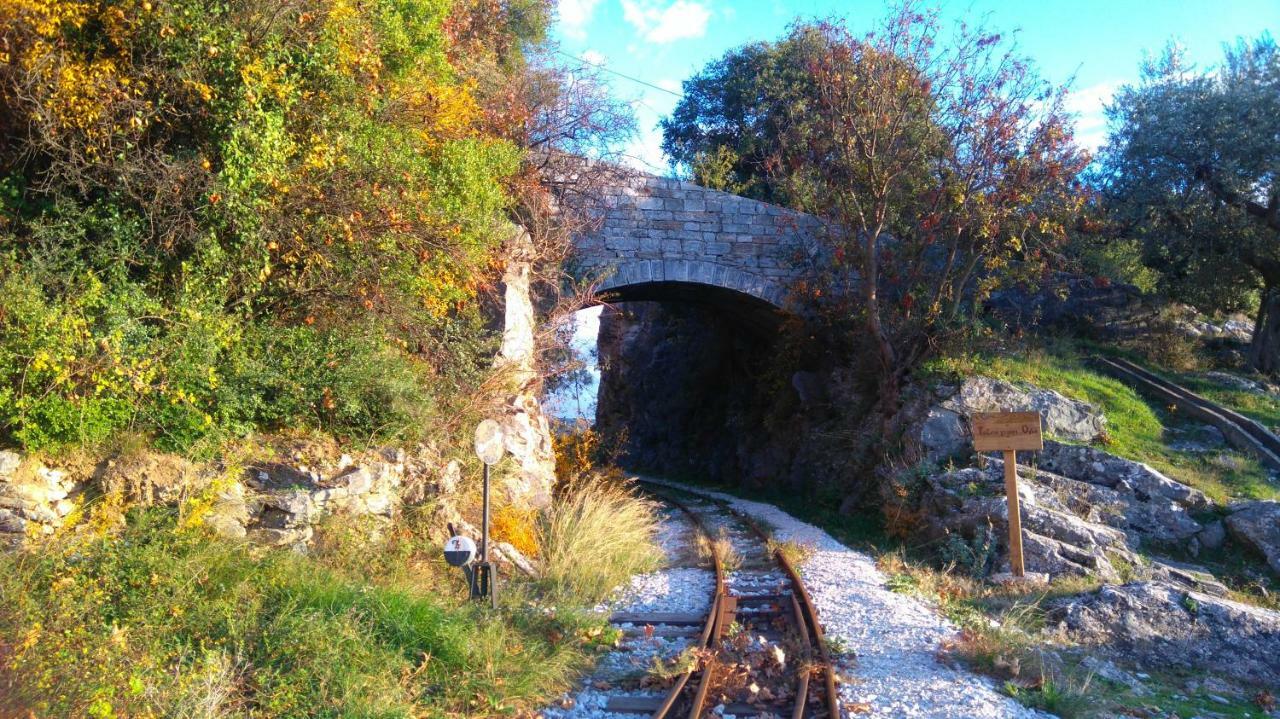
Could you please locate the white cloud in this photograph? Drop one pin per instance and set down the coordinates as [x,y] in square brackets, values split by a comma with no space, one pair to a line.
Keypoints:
[661,22]
[595,57]
[575,15]
[1087,105]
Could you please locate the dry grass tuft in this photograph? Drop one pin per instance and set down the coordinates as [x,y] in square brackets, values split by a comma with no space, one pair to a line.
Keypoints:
[594,537]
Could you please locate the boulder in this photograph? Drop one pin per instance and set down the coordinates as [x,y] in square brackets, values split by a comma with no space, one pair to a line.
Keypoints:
[9,463]
[1257,526]
[1095,466]
[1157,624]
[944,430]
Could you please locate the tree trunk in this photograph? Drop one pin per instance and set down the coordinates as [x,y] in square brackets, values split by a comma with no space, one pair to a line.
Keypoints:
[1264,351]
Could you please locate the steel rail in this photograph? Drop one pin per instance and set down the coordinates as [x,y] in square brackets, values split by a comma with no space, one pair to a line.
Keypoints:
[808,615]
[808,626]
[1240,431]
[710,630]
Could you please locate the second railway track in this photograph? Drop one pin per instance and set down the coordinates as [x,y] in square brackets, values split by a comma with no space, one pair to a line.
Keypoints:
[758,650]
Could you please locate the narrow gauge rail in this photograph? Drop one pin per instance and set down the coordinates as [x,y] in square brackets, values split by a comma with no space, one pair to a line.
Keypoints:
[690,700]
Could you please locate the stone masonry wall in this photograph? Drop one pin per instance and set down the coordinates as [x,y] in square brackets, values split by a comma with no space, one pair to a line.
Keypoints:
[661,230]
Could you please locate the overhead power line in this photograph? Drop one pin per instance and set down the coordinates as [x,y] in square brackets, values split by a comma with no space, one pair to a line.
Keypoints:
[624,76]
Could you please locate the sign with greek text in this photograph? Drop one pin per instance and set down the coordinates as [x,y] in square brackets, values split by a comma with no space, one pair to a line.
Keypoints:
[1004,431]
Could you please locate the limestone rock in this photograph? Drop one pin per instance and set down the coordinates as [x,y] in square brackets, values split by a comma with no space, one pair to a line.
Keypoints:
[1213,535]
[9,463]
[1257,526]
[11,523]
[149,478]
[945,431]
[526,431]
[1101,468]
[1160,625]
[1072,526]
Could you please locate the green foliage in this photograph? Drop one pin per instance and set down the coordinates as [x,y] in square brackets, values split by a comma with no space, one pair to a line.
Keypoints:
[975,556]
[163,622]
[1118,260]
[242,216]
[1190,170]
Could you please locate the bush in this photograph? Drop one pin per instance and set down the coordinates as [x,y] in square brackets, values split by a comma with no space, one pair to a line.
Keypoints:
[229,217]
[596,535]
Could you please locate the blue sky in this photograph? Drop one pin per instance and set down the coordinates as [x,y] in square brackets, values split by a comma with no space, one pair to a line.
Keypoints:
[1098,42]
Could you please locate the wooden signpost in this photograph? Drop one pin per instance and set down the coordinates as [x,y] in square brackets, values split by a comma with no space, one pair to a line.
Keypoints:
[1009,432]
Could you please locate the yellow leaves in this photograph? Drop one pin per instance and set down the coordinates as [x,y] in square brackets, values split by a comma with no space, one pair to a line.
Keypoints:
[448,111]
[261,81]
[204,91]
[48,18]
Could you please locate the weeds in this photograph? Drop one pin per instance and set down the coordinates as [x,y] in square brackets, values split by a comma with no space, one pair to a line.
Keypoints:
[161,621]
[793,551]
[730,560]
[594,538]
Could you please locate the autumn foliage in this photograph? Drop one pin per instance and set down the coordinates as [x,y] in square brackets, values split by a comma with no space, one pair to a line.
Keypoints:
[222,217]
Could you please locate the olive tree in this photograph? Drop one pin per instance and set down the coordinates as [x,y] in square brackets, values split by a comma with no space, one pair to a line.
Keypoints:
[1192,167]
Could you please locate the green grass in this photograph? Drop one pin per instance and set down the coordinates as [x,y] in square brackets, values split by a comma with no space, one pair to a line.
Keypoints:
[165,622]
[1137,427]
[1265,408]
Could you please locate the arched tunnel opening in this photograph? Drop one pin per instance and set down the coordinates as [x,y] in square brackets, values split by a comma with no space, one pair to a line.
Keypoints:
[700,382]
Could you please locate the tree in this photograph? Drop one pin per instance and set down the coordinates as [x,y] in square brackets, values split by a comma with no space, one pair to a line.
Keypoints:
[1192,167]
[939,171]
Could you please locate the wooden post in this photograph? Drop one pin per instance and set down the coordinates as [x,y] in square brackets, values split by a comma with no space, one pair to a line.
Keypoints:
[1015,513]
[1008,432]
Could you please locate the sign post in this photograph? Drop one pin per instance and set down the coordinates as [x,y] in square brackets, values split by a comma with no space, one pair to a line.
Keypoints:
[489,448]
[1009,432]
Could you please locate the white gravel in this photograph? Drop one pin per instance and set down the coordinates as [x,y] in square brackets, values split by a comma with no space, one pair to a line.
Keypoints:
[893,637]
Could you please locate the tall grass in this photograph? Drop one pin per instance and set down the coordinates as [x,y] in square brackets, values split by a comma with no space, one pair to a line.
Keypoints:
[164,622]
[595,536]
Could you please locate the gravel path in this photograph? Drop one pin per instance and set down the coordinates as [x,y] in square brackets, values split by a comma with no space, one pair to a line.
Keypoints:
[894,637]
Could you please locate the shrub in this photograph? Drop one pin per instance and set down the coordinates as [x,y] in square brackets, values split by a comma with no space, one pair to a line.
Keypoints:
[518,527]
[229,217]
[594,537]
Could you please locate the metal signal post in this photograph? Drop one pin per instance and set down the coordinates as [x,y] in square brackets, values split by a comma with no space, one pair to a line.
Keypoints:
[484,574]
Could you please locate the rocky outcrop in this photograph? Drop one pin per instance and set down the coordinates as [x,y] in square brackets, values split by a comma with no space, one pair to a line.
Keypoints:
[1083,509]
[945,429]
[1156,624]
[35,500]
[274,503]
[1257,526]
[526,431]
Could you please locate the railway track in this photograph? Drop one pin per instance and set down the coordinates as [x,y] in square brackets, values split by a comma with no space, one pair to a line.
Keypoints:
[760,609]
[1240,431]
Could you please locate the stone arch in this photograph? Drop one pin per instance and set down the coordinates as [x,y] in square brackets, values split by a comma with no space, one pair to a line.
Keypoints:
[646,279]
[755,302]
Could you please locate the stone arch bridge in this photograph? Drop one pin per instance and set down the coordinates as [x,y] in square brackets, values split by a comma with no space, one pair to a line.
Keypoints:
[665,239]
